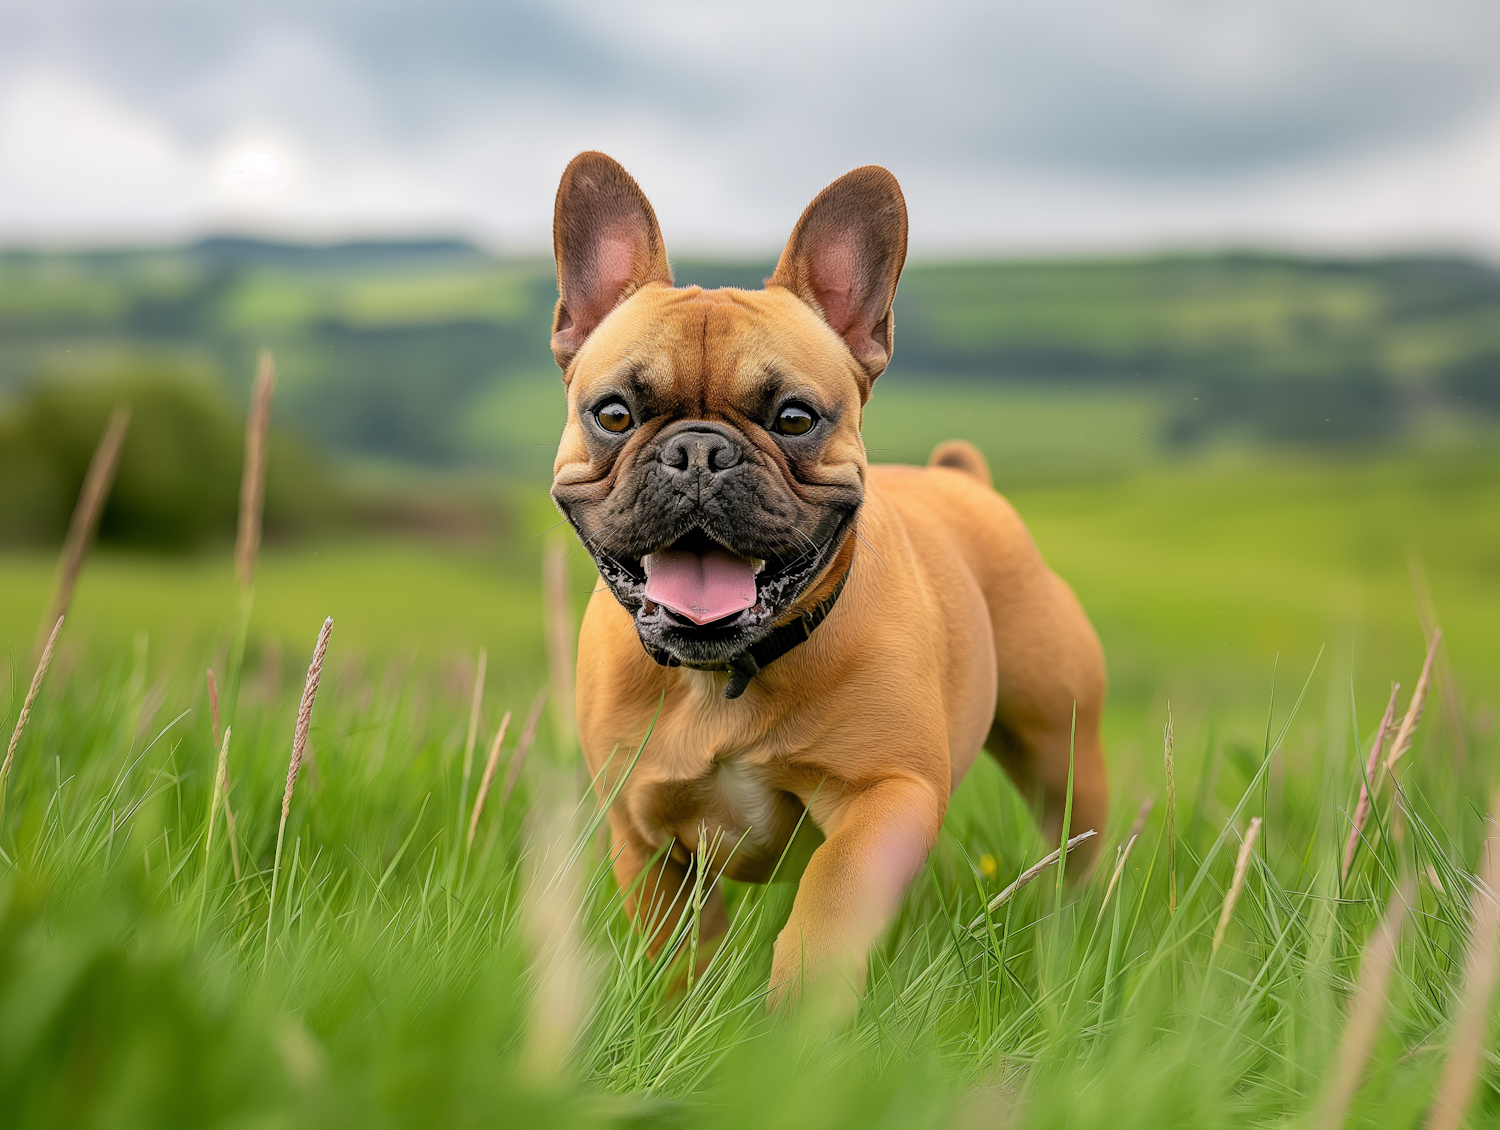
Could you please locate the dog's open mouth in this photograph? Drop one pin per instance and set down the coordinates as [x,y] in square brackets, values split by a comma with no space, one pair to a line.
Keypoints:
[699,600]
[698,579]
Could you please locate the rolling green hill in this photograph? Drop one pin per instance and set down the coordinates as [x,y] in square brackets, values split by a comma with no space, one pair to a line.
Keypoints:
[434,352]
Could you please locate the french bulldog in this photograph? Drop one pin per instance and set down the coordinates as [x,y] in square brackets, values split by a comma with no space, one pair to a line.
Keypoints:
[810,632]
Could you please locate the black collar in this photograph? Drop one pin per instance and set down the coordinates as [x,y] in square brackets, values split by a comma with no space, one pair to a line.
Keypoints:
[748,664]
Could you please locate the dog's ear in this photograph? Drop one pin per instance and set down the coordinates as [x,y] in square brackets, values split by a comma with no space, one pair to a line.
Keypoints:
[607,244]
[844,258]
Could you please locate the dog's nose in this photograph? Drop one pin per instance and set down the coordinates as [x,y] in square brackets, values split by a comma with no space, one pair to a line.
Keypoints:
[692,450]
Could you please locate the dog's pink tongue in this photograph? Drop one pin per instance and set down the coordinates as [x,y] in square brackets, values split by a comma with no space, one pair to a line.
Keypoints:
[702,588]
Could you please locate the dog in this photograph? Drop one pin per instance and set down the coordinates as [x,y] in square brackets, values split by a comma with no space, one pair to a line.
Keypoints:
[809,633]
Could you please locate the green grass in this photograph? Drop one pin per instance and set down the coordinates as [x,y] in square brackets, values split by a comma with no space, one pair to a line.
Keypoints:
[399,984]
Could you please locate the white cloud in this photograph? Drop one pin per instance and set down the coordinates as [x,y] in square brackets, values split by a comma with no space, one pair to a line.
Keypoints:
[1013,126]
[69,150]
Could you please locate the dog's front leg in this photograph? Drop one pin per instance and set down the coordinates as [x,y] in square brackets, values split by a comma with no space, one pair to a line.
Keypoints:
[658,889]
[878,839]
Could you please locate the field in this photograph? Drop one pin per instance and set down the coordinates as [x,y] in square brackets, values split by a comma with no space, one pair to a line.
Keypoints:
[1268,479]
[402,979]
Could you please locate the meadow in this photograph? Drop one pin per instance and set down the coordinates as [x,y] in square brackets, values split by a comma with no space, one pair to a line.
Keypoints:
[1270,481]
[407,977]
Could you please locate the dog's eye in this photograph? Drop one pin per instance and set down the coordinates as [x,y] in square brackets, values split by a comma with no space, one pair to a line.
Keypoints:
[613,416]
[794,420]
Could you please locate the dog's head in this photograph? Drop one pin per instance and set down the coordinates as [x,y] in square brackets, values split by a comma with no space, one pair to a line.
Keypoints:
[712,461]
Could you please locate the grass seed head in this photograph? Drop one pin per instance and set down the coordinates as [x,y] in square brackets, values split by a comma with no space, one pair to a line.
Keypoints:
[1241,869]
[1402,742]
[86,511]
[528,735]
[36,685]
[304,714]
[490,765]
[1372,767]
[253,477]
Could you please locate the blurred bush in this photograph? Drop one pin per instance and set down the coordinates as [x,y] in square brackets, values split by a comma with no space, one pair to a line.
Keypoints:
[177,485]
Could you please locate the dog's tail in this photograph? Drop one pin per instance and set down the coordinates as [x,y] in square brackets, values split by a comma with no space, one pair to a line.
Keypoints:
[963,456]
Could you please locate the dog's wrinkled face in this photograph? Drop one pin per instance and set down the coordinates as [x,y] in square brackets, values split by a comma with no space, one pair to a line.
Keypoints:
[711,461]
[699,423]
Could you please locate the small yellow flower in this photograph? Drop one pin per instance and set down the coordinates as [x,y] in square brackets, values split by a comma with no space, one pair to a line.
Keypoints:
[987,866]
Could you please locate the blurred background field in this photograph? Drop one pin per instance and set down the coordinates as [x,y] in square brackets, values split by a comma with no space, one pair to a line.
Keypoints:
[1231,457]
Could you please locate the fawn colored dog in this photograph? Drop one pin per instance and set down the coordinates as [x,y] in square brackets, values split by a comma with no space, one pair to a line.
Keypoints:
[820,634]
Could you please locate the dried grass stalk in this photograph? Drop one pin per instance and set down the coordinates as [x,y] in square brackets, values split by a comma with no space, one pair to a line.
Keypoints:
[1142,814]
[1171,770]
[1461,1072]
[86,512]
[560,639]
[299,748]
[36,684]
[1372,767]
[488,779]
[213,702]
[1241,869]
[551,894]
[1027,876]
[476,705]
[1366,1011]
[253,477]
[1119,868]
[220,776]
[1413,718]
[1450,700]
[528,735]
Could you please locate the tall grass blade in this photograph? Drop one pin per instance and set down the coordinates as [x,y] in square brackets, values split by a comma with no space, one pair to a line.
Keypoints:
[1067,820]
[1171,772]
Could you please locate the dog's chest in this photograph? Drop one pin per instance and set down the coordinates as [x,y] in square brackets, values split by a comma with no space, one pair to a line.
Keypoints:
[730,808]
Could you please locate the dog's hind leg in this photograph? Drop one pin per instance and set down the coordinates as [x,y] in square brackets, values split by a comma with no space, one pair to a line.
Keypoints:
[1049,664]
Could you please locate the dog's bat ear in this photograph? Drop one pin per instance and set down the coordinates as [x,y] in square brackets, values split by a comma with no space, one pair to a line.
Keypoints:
[607,243]
[844,258]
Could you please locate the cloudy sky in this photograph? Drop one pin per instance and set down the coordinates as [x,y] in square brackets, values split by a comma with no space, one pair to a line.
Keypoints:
[1050,125]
